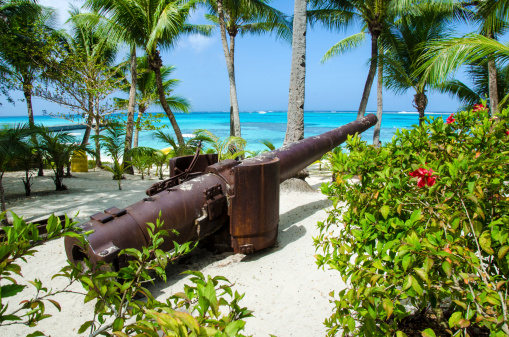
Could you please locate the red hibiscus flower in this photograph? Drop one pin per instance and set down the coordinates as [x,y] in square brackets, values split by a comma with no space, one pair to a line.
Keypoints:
[507,132]
[478,107]
[450,119]
[424,177]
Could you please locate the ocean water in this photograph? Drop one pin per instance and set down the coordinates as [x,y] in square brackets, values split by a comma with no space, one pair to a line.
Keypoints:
[257,125]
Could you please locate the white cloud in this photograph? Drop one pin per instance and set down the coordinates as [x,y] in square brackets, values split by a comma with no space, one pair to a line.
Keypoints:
[198,43]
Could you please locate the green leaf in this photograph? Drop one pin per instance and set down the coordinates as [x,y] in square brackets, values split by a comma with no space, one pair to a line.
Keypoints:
[428,333]
[417,286]
[10,290]
[446,266]
[388,307]
[234,327]
[385,211]
[492,300]
[85,326]
[485,242]
[408,282]
[378,265]
[118,324]
[454,319]
[422,274]
[406,261]
[36,334]
[502,251]
[461,304]
[401,334]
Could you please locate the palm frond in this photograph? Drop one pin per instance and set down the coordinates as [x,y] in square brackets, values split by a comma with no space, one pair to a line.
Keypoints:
[344,45]
[444,57]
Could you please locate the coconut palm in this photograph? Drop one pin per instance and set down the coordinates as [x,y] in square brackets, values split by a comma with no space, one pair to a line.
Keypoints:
[240,17]
[150,24]
[57,148]
[469,95]
[160,159]
[188,148]
[406,42]
[96,51]
[11,143]
[228,148]
[445,57]
[112,141]
[22,50]
[492,25]
[142,158]
[146,94]
[295,124]
[373,15]
[11,9]
[30,41]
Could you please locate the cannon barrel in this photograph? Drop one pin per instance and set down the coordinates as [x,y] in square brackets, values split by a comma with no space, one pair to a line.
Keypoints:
[203,196]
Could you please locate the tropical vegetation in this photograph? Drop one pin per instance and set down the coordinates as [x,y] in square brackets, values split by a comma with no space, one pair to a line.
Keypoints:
[425,234]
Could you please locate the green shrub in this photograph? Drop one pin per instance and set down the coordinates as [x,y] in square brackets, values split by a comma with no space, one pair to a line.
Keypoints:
[17,242]
[123,304]
[425,232]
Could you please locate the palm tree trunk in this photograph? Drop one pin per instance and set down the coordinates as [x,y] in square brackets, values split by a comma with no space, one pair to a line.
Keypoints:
[130,112]
[230,66]
[295,124]
[2,200]
[420,103]
[90,121]
[141,111]
[492,81]
[27,92]
[155,64]
[371,75]
[379,105]
[98,163]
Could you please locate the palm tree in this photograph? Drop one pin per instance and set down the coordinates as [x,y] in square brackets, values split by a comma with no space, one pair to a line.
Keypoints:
[295,124]
[112,141]
[10,9]
[11,143]
[469,95]
[492,24]
[240,17]
[373,15]
[379,102]
[57,148]
[228,148]
[444,57]
[150,24]
[82,74]
[146,94]
[22,50]
[31,40]
[188,148]
[96,51]
[406,42]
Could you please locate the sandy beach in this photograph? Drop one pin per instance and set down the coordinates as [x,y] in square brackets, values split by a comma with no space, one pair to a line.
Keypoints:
[283,286]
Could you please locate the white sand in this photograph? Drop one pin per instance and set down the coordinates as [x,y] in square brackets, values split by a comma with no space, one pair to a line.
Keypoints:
[284,288]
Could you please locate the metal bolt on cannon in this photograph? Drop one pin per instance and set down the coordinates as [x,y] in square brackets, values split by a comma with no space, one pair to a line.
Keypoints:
[204,197]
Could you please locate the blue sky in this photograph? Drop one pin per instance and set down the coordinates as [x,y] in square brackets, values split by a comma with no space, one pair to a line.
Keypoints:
[262,73]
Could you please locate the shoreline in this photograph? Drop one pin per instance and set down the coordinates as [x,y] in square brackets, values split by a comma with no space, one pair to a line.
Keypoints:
[283,286]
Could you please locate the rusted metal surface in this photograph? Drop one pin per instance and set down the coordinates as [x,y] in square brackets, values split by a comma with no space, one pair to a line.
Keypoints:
[203,196]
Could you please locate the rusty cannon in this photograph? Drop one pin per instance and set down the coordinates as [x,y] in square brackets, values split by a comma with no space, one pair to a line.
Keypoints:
[236,201]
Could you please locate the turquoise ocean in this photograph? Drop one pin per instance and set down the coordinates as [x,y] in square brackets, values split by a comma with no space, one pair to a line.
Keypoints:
[256,126]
